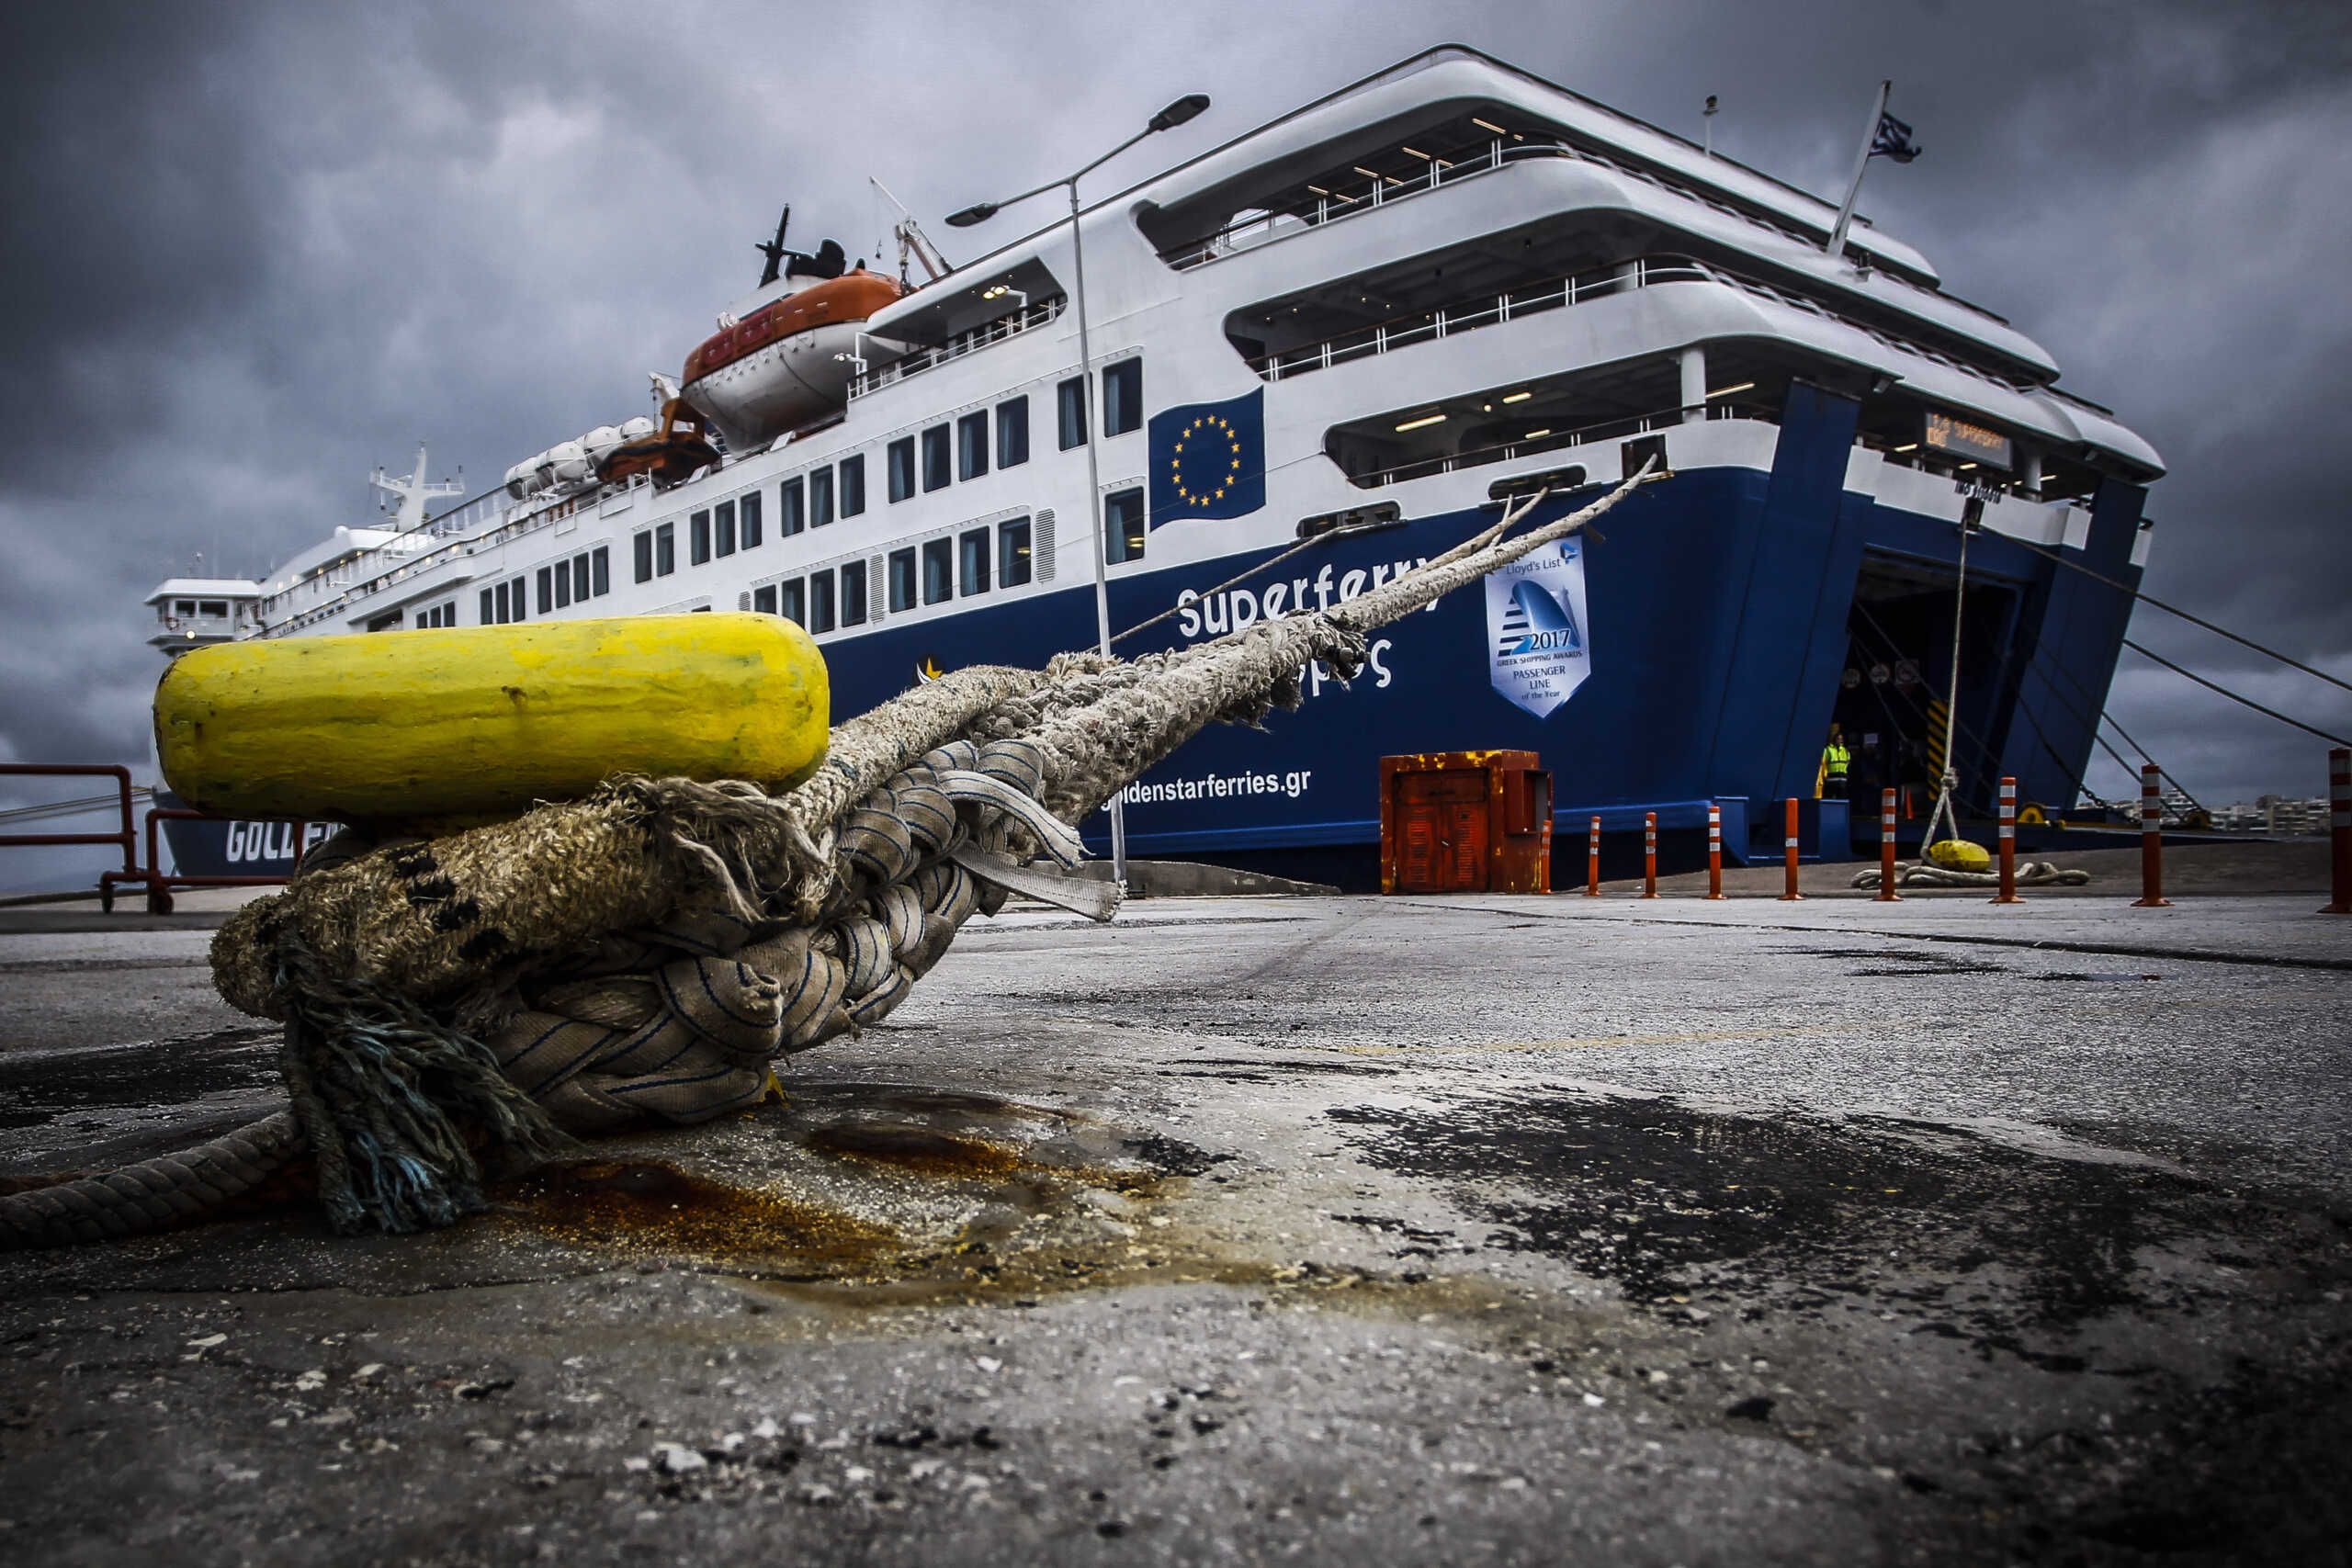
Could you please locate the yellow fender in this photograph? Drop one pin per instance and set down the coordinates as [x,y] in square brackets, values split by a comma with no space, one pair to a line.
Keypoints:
[478,721]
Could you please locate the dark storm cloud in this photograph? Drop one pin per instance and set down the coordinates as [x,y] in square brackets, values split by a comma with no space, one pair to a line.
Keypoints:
[253,250]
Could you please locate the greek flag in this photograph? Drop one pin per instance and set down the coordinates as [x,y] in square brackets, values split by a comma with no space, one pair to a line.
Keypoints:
[1894,140]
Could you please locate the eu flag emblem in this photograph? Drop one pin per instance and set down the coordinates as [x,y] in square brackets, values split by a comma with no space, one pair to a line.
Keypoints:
[1209,459]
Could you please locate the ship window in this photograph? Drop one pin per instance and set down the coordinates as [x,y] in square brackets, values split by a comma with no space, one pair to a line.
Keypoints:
[975,561]
[642,549]
[665,550]
[934,457]
[972,446]
[938,571]
[722,524]
[213,607]
[600,570]
[579,578]
[791,600]
[1123,527]
[1122,397]
[853,593]
[547,589]
[1013,433]
[764,600]
[521,609]
[750,530]
[902,580]
[1069,401]
[489,609]
[563,576]
[391,623]
[501,591]
[698,538]
[183,606]
[902,467]
[791,508]
[854,485]
[820,497]
[820,601]
[1012,552]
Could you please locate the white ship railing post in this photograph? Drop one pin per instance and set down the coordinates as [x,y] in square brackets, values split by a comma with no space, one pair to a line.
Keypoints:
[1175,115]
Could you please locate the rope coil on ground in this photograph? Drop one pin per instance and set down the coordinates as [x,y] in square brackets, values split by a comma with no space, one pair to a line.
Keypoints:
[1926,873]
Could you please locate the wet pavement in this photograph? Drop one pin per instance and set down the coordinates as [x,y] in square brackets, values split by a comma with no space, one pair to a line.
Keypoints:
[1320,1230]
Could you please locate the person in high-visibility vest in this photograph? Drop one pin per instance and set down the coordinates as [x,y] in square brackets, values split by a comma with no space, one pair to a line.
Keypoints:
[1835,761]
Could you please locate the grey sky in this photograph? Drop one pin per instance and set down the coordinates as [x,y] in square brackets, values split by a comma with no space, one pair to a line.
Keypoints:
[251,250]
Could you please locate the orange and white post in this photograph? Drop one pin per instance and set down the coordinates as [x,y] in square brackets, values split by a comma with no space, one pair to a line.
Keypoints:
[1592,861]
[2009,890]
[1649,855]
[2151,842]
[1792,896]
[1714,851]
[1886,893]
[2339,832]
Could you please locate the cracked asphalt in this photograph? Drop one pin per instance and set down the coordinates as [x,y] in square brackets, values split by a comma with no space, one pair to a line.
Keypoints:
[1319,1230]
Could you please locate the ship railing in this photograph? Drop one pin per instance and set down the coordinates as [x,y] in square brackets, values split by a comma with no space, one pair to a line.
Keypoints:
[1487,310]
[1478,310]
[1348,201]
[1029,318]
[357,589]
[1616,428]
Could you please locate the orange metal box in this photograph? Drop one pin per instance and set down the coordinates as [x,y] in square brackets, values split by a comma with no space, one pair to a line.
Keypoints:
[1466,822]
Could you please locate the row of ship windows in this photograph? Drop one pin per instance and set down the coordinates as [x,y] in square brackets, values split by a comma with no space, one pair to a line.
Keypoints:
[912,464]
[656,551]
[561,584]
[930,573]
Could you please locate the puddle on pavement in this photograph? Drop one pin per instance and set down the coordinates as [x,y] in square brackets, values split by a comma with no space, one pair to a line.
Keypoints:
[917,1150]
[650,1207]
[1667,1201]
[903,1189]
[1907,961]
[37,1087]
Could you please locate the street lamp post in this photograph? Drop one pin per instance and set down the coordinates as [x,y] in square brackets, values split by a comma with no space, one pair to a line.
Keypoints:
[1175,115]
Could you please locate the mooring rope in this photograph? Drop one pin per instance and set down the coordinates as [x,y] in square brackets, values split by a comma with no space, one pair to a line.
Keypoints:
[651,950]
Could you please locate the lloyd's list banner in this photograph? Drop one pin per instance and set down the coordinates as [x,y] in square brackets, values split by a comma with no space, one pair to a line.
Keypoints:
[1536,652]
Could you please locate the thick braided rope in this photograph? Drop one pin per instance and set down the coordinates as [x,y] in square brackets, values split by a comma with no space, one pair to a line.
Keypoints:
[170,1189]
[461,922]
[2032,873]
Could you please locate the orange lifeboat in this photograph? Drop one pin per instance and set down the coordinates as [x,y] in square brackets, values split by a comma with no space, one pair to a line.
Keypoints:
[789,362]
[668,456]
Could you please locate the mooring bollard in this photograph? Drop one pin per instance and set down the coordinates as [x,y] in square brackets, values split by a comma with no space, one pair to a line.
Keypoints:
[1649,855]
[2152,842]
[2339,832]
[2008,892]
[1592,861]
[1791,894]
[1886,893]
[1714,851]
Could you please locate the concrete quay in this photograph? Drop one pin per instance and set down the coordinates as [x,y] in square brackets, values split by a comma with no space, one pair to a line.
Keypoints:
[1325,1230]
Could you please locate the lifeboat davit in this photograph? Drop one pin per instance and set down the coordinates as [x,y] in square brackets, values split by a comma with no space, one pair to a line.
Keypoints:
[787,363]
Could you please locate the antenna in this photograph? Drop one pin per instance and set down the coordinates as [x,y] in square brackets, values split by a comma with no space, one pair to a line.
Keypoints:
[774,250]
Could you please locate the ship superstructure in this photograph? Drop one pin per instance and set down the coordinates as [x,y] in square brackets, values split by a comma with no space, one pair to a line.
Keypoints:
[1365,325]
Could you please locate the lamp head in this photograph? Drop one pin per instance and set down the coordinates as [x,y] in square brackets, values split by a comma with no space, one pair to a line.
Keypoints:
[1177,113]
[978,213]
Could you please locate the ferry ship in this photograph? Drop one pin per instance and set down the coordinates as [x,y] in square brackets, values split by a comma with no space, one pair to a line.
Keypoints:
[1320,353]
